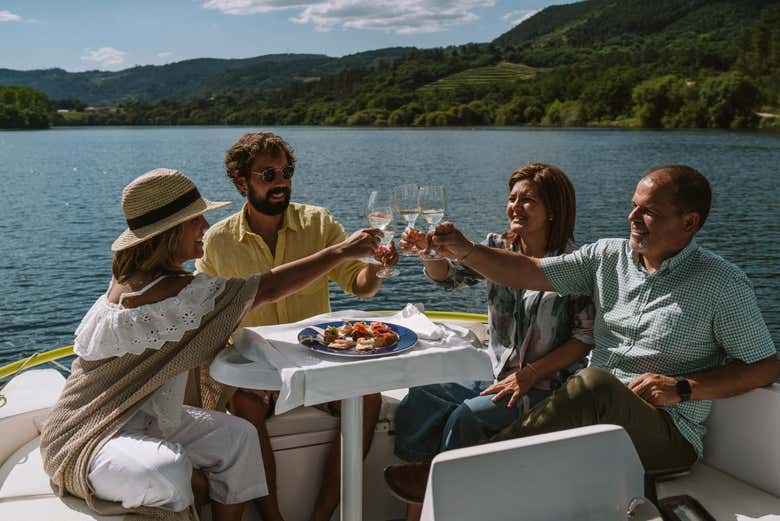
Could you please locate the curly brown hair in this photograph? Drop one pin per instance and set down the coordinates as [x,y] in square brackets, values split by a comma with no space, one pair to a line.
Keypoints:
[239,157]
[558,197]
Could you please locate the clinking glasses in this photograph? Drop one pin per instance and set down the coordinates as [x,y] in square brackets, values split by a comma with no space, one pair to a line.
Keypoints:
[269,174]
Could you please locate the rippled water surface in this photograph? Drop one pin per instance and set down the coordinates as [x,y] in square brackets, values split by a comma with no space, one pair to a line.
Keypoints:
[60,190]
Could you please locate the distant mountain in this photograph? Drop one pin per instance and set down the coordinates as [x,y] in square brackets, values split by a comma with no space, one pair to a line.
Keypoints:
[198,78]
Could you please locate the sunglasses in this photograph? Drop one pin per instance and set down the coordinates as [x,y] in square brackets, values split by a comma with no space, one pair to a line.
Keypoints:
[269,174]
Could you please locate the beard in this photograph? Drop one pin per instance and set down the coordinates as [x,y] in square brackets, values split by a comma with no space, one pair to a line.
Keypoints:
[263,204]
[638,245]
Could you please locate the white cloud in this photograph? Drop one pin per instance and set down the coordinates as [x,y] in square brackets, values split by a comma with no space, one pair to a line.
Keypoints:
[164,54]
[8,16]
[105,56]
[519,16]
[398,16]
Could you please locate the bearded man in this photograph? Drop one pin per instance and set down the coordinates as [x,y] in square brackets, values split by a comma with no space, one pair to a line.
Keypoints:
[270,231]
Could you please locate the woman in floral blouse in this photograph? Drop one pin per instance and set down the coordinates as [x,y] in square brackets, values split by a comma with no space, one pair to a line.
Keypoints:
[539,338]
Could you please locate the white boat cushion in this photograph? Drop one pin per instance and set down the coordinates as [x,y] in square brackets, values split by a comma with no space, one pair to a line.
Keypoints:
[31,391]
[52,508]
[742,437]
[390,401]
[22,475]
[30,395]
[722,495]
[303,420]
[25,492]
[300,421]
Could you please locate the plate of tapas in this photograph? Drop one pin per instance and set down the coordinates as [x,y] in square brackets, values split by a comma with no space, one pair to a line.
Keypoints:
[358,338]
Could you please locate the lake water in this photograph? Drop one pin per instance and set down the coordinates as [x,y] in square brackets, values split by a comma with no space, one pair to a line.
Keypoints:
[60,191]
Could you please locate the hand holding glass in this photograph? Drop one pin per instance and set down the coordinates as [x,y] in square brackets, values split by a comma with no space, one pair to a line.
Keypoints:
[384,253]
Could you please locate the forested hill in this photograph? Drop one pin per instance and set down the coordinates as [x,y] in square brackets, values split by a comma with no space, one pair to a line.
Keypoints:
[593,27]
[626,63]
[199,78]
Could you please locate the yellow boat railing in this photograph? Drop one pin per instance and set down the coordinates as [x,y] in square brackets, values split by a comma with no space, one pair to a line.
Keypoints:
[65,351]
[36,359]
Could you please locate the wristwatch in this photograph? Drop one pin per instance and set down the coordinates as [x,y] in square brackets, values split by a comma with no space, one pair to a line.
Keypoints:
[683,388]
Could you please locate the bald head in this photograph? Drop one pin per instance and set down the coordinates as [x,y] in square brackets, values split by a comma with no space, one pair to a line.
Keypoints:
[688,188]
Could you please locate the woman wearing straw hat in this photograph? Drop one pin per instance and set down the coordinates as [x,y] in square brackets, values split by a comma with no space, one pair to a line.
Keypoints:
[120,436]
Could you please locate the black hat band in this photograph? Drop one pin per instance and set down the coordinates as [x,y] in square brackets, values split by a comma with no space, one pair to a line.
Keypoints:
[158,214]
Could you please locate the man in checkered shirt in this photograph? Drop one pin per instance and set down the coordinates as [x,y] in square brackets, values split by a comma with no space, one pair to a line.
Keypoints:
[676,326]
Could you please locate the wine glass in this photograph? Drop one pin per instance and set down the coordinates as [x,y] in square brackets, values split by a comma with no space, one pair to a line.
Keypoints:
[387,237]
[433,204]
[379,211]
[406,199]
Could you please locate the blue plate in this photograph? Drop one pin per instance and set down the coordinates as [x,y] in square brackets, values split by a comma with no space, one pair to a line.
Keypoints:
[407,339]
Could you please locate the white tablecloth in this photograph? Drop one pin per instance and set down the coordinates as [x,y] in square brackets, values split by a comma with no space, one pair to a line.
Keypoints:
[309,377]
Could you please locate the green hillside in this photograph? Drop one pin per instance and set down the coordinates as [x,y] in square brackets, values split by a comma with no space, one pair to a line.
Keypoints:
[503,72]
[590,28]
[666,63]
[190,79]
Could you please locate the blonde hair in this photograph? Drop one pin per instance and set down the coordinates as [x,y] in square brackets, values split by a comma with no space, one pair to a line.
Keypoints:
[154,255]
[559,199]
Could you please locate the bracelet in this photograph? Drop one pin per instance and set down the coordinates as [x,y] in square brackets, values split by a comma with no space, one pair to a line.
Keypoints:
[533,370]
[473,247]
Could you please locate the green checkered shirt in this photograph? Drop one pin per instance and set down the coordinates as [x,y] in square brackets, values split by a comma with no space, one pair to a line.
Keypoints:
[696,312]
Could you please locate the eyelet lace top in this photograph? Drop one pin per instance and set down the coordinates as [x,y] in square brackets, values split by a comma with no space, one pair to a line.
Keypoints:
[109,329]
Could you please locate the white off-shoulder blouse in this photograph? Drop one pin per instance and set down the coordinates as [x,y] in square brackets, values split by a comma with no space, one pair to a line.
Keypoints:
[109,330]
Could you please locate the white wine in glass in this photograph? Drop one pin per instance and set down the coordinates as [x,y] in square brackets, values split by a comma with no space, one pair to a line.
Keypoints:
[433,205]
[379,211]
[407,204]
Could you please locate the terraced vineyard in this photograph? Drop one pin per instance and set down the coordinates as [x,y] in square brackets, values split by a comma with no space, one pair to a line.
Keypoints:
[480,76]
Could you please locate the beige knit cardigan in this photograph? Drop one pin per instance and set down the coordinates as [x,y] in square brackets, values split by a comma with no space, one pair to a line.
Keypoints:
[101,396]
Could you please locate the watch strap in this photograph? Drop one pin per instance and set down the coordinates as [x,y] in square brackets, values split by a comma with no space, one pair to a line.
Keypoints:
[683,387]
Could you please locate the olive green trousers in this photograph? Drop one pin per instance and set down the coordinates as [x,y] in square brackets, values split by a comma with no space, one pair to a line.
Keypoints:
[593,396]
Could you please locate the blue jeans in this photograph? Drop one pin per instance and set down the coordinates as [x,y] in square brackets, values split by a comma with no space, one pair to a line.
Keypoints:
[438,417]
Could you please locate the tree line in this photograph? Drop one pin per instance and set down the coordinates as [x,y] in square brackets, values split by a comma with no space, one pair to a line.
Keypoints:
[694,83]
[23,108]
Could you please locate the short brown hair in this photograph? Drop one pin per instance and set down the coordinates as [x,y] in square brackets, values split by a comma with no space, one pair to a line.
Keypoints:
[155,255]
[239,157]
[691,190]
[558,197]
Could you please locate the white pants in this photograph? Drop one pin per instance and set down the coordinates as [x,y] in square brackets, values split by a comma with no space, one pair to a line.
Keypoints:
[138,467]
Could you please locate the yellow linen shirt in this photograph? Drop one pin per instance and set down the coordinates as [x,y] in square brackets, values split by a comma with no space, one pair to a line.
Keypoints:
[232,249]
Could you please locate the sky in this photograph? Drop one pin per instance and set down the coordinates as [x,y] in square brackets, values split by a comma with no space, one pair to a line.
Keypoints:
[79,35]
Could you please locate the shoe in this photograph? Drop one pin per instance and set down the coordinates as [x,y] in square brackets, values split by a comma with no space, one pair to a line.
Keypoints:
[407,481]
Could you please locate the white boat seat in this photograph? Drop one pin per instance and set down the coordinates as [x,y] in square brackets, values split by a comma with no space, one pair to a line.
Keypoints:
[31,395]
[723,496]
[301,420]
[22,476]
[25,489]
[740,472]
[585,473]
[305,420]
[390,401]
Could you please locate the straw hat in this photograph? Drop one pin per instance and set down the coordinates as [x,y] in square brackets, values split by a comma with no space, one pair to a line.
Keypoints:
[157,201]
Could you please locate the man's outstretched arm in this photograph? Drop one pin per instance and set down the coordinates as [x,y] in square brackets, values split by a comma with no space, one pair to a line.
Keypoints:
[506,268]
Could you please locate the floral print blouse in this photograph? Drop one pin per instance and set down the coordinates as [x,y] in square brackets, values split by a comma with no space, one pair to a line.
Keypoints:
[525,325]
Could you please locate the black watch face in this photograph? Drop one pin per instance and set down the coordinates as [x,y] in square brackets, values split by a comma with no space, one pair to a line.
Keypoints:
[683,389]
